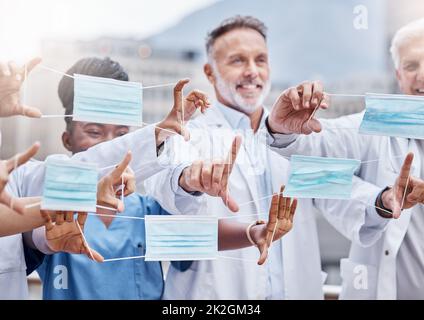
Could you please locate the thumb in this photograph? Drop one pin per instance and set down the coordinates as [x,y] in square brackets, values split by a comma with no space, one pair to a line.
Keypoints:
[185,133]
[21,158]
[94,254]
[178,93]
[32,64]
[31,112]
[396,208]
[182,131]
[230,202]
[263,254]
[116,203]
[312,125]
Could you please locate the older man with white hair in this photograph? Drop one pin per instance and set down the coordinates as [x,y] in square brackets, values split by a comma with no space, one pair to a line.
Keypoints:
[392,267]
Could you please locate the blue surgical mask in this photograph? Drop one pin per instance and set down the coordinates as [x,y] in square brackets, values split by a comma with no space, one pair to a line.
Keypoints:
[110,101]
[181,237]
[323,178]
[394,116]
[70,186]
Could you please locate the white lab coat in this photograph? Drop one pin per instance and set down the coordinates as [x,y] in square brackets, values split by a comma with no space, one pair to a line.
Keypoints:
[231,278]
[378,255]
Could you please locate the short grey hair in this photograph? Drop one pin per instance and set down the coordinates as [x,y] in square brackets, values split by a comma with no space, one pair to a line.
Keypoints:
[233,23]
[410,31]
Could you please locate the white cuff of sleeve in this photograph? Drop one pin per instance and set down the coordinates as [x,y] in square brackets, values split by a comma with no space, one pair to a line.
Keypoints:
[40,240]
[280,140]
[372,218]
[175,182]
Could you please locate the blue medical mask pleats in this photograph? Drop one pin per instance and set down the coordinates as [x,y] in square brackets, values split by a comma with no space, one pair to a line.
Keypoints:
[70,186]
[181,237]
[322,178]
[394,116]
[109,101]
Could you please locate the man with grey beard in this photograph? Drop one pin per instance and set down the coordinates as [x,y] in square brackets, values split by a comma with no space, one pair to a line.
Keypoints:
[238,69]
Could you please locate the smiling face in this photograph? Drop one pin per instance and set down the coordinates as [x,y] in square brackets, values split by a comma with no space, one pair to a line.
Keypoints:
[84,135]
[410,73]
[239,69]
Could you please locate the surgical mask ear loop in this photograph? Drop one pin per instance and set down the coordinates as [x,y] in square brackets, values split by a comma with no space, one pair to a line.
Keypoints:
[15,165]
[24,100]
[84,240]
[404,193]
[182,109]
[122,188]
[313,114]
[276,222]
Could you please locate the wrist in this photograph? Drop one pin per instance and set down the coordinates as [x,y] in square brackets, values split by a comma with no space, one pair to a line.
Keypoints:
[385,198]
[162,132]
[383,203]
[39,238]
[271,126]
[182,183]
[253,232]
[50,247]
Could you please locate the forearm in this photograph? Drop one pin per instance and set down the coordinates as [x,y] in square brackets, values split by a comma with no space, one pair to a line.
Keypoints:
[162,133]
[356,219]
[142,143]
[232,235]
[330,142]
[12,222]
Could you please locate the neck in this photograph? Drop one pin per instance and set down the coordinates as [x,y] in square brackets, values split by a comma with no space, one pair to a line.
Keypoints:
[255,118]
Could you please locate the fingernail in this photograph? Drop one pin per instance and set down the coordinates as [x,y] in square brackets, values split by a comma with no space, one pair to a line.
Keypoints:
[307,104]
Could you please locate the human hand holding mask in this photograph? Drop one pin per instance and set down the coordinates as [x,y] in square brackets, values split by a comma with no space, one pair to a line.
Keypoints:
[212,177]
[181,112]
[294,109]
[66,233]
[406,192]
[6,168]
[280,222]
[11,79]
[107,191]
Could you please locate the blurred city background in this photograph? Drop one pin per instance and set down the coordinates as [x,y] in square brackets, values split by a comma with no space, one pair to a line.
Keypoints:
[162,41]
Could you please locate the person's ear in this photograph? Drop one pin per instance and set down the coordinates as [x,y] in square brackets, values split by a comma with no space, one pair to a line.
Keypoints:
[67,141]
[208,70]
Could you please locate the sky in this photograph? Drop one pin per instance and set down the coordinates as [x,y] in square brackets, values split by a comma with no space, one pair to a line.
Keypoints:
[23,23]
